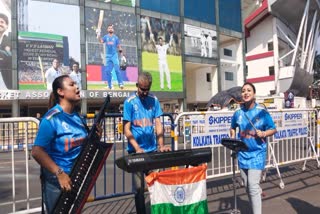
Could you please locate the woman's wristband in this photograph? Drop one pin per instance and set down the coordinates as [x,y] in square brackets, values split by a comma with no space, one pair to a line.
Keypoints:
[59,172]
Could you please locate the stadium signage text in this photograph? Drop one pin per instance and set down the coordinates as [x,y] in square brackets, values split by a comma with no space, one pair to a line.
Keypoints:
[217,120]
[204,140]
[294,116]
[44,94]
[291,133]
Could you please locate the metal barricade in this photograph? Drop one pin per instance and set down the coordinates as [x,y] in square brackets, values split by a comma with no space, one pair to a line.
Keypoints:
[17,135]
[112,181]
[294,141]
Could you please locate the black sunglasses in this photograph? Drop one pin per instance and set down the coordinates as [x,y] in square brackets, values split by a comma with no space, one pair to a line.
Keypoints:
[143,89]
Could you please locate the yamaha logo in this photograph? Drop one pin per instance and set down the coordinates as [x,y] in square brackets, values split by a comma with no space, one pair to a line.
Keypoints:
[179,195]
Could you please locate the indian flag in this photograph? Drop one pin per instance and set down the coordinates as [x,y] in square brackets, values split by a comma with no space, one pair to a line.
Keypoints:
[178,191]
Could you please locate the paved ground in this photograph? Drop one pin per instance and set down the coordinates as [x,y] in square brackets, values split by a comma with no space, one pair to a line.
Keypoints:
[300,195]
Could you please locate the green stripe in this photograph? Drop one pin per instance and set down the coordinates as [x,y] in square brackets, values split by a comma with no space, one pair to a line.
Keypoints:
[37,35]
[196,208]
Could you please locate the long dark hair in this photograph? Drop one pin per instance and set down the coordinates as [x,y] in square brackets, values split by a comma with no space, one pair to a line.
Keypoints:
[54,96]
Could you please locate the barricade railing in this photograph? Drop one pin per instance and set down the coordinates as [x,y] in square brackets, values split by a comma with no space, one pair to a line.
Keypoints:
[112,181]
[294,141]
[17,137]
[17,134]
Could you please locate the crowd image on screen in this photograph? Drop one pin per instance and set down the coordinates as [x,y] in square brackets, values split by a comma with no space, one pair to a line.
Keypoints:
[31,72]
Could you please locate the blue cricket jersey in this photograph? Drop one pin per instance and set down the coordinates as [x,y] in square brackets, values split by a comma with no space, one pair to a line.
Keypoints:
[111,43]
[61,136]
[142,113]
[255,157]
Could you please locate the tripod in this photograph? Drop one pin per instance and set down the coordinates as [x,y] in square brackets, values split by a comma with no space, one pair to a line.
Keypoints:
[235,146]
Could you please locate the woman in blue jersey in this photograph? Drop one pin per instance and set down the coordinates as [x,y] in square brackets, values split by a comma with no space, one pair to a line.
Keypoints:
[59,139]
[255,125]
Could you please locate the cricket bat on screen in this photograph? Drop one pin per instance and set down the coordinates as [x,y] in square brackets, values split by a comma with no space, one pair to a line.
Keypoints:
[42,72]
[100,20]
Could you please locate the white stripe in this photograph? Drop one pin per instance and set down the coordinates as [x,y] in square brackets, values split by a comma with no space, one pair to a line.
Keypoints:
[193,193]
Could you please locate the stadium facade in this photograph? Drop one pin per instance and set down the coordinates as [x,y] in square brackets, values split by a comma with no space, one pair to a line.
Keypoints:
[205,52]
[282,40]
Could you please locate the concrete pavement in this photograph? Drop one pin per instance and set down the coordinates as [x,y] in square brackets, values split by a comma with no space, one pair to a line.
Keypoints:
[301,194]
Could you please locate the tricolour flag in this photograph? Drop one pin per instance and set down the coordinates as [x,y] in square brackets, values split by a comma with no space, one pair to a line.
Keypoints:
[178,191]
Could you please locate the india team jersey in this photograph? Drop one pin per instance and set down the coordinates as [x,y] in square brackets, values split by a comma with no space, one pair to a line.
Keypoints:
[162,51]
[61,136]
[255,157]
[111,43]
[141,113]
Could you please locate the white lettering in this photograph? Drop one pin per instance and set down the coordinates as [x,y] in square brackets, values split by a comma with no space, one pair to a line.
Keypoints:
[9,95]
[91,94]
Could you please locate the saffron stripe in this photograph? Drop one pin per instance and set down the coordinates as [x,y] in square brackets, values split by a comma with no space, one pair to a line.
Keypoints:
[178,177]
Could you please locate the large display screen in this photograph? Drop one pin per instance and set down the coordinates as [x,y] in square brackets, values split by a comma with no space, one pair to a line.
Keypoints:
[129,3]
[5,45]
[200,42]
[107,67]
[161,53]
[48,36]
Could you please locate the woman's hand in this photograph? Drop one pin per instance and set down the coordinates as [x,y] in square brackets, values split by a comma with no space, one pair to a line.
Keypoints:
[64,181]
[261,134]
[99,130]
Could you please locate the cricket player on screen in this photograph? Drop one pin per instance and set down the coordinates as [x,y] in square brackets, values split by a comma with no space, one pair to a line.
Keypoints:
[112,44]
[52,73]
[162,60]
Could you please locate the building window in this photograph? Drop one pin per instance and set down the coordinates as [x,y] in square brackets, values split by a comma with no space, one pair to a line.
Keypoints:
[208,77]
[270,46]
[227,52]
[271,71]
[229,76]
[246,71]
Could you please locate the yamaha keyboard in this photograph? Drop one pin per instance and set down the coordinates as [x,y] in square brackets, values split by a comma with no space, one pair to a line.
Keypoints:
[143,162]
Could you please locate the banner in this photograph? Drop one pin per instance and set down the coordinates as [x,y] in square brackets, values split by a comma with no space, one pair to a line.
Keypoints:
[200,41]
[5,45]
[178,191]
[161,53]
[104,70]
[45,38]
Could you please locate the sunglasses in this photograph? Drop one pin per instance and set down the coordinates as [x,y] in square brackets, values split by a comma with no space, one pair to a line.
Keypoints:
[143,89]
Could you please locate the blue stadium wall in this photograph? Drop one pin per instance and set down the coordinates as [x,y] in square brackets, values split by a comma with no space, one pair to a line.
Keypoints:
[203,11]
